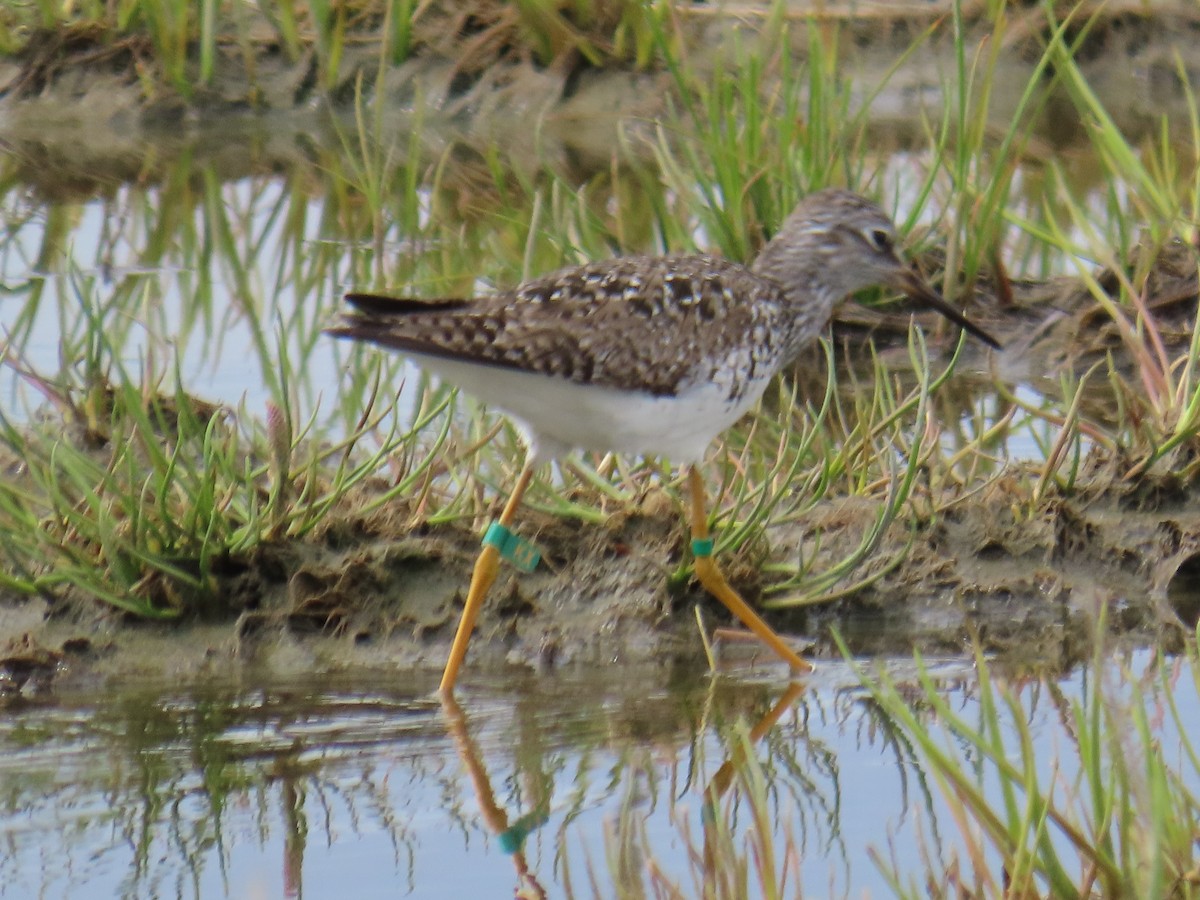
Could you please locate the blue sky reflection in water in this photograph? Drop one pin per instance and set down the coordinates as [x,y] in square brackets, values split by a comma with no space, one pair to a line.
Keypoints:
[303,788]
[228,350]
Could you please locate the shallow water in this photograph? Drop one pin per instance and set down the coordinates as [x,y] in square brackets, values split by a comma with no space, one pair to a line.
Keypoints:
[303,787]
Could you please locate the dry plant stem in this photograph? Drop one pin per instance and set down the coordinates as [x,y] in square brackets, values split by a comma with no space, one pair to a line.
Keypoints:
[714,582]
[486,568]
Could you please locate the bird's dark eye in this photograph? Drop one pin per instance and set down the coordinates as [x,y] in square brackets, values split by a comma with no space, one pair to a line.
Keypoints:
[879,239]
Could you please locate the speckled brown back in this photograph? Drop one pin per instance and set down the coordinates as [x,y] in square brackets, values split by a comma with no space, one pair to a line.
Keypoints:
[653,324]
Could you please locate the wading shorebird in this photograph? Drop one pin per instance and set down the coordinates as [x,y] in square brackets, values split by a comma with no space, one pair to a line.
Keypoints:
[648,355]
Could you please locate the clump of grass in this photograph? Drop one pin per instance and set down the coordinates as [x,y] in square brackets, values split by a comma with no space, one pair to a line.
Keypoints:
[187,40]
[746,146]
[142,498]
[1149,201]
[1096,795]
[877,455]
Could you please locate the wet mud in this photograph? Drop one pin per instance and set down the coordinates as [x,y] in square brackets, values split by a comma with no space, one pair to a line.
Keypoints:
[1034,586]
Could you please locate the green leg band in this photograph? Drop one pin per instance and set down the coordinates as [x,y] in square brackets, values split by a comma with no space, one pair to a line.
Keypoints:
[518,551]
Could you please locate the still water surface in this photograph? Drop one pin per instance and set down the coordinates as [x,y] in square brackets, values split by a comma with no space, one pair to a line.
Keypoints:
[362,782]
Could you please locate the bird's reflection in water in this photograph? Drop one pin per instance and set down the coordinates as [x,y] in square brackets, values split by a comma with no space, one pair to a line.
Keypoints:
[512,835]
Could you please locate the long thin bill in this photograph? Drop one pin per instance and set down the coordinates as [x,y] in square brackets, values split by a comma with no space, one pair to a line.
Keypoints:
[912,284]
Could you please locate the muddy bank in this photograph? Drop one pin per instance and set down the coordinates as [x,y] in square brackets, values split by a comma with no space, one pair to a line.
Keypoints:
[1032,585]
[473,81]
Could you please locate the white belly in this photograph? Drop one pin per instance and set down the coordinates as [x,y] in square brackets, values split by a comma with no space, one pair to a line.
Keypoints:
[558,416]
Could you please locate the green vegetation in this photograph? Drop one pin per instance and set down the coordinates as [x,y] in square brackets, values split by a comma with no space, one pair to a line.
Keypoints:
[186,46]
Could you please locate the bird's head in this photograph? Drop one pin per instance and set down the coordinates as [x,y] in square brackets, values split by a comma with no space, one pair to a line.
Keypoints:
[837,243]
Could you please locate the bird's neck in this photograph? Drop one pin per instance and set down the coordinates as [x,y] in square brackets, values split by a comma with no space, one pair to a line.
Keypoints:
[810,311]
[808,288]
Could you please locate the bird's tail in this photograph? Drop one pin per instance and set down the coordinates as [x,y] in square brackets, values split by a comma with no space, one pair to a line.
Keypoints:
[382,305]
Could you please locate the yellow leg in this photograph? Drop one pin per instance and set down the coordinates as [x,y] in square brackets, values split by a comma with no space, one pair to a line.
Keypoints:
[714,582]
[486,568]
[724,775]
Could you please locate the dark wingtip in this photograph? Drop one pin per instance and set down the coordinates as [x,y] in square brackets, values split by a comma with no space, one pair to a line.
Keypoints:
[380,319]
[383,305]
